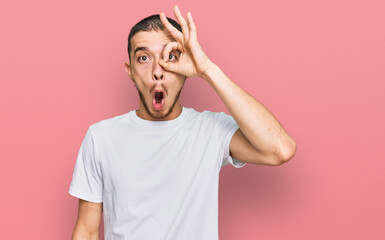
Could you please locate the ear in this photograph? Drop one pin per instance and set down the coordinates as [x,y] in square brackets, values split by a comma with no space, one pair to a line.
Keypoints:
[127,67]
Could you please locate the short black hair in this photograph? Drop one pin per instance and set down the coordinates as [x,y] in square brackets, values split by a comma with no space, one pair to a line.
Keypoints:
[147,24]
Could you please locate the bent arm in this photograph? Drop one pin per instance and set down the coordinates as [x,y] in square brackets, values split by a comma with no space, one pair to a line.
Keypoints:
[257,123]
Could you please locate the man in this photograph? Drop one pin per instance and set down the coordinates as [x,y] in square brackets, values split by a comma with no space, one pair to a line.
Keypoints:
[154,172]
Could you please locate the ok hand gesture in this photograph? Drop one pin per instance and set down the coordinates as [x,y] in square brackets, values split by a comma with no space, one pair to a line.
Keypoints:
[192,60]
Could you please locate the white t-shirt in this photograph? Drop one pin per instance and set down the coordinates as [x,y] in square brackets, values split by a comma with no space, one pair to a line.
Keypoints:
[156,179]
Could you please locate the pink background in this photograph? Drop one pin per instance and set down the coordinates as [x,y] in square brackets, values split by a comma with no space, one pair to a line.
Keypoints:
[318,66]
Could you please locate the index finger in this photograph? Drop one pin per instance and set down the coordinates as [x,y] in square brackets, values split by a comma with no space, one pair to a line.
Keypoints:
[170,28]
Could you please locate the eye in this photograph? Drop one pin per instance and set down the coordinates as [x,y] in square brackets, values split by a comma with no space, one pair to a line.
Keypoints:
[144,58]
[172,55]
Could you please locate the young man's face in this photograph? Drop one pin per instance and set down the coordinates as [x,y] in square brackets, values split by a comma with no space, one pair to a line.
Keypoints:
[149,77]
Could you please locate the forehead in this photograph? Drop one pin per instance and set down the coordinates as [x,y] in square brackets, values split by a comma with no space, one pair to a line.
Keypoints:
[154,40]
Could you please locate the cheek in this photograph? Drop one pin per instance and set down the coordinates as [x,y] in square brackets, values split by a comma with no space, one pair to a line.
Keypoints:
[177,87]
[141,74]
[142,67]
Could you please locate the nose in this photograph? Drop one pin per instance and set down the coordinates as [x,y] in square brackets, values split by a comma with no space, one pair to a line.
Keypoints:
[158,71]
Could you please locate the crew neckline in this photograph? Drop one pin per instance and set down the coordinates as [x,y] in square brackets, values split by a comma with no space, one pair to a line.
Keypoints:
[150,123]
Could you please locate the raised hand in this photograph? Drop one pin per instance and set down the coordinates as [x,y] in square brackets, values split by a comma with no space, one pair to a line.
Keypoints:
[192,60]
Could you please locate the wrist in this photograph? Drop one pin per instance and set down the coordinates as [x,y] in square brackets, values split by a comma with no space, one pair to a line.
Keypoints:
[209,71]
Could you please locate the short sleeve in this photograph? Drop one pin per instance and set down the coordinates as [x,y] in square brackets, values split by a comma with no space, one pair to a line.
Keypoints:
[228,126]
[87,181]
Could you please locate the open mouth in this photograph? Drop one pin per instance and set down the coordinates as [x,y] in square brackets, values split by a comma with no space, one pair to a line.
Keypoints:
[158,97]
[158,100]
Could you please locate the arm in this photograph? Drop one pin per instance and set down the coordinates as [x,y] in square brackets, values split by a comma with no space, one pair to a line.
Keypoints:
[261,139]
[88,222]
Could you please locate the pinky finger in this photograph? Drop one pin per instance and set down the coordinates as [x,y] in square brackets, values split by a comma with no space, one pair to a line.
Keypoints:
[193,31]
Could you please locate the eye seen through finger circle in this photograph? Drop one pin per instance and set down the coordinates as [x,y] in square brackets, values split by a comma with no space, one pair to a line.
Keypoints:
[173,56]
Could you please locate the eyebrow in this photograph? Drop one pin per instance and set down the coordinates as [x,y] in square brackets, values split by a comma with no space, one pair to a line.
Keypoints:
[144,49]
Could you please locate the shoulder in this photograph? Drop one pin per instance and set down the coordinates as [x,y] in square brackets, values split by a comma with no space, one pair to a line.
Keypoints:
[206,113]
[213,117]
[193,114]
[221,118]
[216,121]
[109,124]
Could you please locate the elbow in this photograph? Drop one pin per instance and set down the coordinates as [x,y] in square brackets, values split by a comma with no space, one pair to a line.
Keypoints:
[286,152]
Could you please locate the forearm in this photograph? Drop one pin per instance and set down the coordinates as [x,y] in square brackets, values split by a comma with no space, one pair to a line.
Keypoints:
[84,235]
[256,122]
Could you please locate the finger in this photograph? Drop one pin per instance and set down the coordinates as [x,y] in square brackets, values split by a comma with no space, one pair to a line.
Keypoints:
[193,31]
[169,47]
[182,23]
[170,28]
[168,66]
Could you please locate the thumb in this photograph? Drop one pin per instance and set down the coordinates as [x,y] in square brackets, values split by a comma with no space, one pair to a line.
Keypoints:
[169,66]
